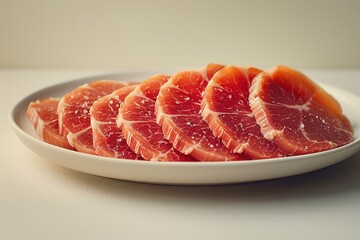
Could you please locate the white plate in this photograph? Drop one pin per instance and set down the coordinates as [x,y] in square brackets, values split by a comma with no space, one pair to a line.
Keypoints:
[180,172]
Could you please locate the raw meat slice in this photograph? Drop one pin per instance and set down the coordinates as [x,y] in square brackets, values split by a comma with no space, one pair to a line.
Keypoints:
[43,116]
[178,109]
[296,114]
[138,122]
[108,138]
[74,112]
[226,109]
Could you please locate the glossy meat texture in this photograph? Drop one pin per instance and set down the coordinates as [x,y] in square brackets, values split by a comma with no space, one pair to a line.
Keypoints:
[74,112]
[138,122]
[108,139]
[43,116]
[296,114]
[226,109]
[178,108]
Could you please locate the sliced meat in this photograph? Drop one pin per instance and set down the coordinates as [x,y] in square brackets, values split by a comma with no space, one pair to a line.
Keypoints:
[138,122]
[43,116]
[296,114]
[226,109]
[178,109]
[108,138]
[74,112]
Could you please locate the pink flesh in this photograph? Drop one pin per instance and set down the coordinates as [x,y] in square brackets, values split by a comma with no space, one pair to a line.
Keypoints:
[74,112]
[291,112]
[108,138]
[178,111]
[43,116]
[138,121]
[45,111]
[227,111]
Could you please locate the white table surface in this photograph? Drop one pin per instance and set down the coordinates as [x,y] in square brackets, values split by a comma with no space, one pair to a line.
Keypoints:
[41,200]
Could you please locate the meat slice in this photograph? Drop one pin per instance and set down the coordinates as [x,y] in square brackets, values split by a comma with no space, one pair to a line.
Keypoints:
[226,109]
[296,114]
[74,112]
[138,122]
[178,109]
[43,116]
[108,138]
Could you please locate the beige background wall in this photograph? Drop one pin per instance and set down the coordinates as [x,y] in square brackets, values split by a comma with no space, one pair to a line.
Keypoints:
[159,33]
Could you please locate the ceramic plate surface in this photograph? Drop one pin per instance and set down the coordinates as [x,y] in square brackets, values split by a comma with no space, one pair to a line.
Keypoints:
[180,172]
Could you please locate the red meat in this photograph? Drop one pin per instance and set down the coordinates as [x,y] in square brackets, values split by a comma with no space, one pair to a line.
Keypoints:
[108,138]
[138,122]
[178,109]
[226,109]
[296,114]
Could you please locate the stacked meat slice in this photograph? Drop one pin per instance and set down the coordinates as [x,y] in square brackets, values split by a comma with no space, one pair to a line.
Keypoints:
[219,113]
